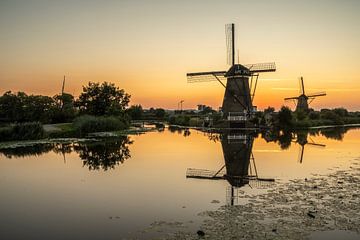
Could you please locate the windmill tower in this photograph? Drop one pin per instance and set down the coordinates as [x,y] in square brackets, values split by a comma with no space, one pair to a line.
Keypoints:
[303,100]
[241,82]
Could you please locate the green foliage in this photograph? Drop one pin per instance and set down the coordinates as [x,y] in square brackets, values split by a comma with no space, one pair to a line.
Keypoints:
[102,99]
[21,107]
[331,115]
[22,131]
[160,113]
[314,115]
[285,117]
[135,112]
[342,112]
[182,120]
[300,115]
[65,109]
[89,124]
[269,110]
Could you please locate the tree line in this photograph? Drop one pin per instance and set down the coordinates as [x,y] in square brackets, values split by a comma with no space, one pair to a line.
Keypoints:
[97,99]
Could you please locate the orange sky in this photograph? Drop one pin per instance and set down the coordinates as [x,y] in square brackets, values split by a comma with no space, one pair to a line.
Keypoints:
[147,48]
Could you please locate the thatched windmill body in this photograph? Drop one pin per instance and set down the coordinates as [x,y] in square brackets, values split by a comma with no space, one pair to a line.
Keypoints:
[303,100]
[241,81]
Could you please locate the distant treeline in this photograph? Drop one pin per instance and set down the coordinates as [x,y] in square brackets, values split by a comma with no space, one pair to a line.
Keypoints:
[286,119]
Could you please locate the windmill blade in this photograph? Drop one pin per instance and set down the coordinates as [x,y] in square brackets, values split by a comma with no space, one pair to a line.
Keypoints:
[291,98]
[301,154]
[316,144]
[301,83]
[205,76]
[230,43]
[261,67]
[317,94]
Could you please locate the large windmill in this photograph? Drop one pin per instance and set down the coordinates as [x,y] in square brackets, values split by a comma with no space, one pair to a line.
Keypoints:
[241,82]
[303,100]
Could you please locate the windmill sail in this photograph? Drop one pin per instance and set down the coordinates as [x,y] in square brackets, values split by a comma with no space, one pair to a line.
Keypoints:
[230,43]
[205,76]
[261,67]
[319,94]
[302,89]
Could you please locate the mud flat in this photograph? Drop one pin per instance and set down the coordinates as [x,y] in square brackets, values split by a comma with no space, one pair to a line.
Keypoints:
[320,207]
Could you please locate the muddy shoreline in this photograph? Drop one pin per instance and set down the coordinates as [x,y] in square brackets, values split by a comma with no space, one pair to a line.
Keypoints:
[298,209]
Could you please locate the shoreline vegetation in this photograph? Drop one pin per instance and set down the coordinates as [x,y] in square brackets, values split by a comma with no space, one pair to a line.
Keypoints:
[102,109]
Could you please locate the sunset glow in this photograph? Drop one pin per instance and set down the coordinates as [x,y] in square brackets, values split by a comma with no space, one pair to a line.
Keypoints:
[147,47]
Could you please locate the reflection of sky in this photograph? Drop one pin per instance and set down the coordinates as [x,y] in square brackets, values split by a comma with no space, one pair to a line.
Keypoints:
[43,195]
[147,47]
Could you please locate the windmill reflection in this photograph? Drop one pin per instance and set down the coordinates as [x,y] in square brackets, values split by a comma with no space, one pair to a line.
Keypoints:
[303,139]
[239,168]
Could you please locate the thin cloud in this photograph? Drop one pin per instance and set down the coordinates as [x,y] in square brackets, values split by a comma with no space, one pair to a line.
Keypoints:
[318,89]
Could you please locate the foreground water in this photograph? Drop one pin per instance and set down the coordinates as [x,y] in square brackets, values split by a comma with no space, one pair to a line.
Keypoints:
[122,188]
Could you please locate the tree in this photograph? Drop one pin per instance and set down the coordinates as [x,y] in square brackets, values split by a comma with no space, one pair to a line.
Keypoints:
[102,99]
[285,117]
[135,112]
[21,107]
[65,109]
[160,113]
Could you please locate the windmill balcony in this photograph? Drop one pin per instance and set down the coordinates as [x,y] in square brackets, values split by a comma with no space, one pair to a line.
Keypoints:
[237,116]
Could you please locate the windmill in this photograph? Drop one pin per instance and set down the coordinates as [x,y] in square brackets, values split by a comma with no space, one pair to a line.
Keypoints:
[241,83]
[302,140]
[239,168]
[303,100]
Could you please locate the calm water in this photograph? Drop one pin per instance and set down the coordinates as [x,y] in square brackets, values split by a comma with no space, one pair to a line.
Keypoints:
[115,189]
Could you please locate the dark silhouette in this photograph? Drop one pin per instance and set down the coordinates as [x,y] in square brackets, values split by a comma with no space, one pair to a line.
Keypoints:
[303,100]
[237,107]
[104,155]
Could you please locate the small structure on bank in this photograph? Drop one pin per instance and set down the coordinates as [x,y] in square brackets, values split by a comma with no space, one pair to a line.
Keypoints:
[240,86]
[302,101]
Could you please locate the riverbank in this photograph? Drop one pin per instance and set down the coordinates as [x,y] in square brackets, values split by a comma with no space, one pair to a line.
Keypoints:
[316,208]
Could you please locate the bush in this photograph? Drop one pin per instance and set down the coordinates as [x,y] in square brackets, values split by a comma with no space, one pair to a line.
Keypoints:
[22,131]
[89,124]
[285,117]
[182,120]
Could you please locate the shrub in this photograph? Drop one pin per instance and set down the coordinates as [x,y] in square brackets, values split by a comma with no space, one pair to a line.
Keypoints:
[88,124]
[285,117]
[22,131]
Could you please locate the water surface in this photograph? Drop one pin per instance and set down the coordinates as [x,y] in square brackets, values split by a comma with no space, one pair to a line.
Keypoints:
[116,188]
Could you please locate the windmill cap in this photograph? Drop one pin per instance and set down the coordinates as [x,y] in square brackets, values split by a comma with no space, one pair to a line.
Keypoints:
[238,70]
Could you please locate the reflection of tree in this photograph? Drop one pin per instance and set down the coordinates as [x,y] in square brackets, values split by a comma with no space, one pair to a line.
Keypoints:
[180,130]
[173,129]
[334,133]
[285,139]
[186,132]
[104,155]
[25,151]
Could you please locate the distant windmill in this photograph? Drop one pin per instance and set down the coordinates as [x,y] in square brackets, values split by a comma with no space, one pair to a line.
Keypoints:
[241,82]
[303,101]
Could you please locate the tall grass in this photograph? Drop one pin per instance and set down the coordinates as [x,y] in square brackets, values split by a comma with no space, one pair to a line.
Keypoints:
[89,124]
